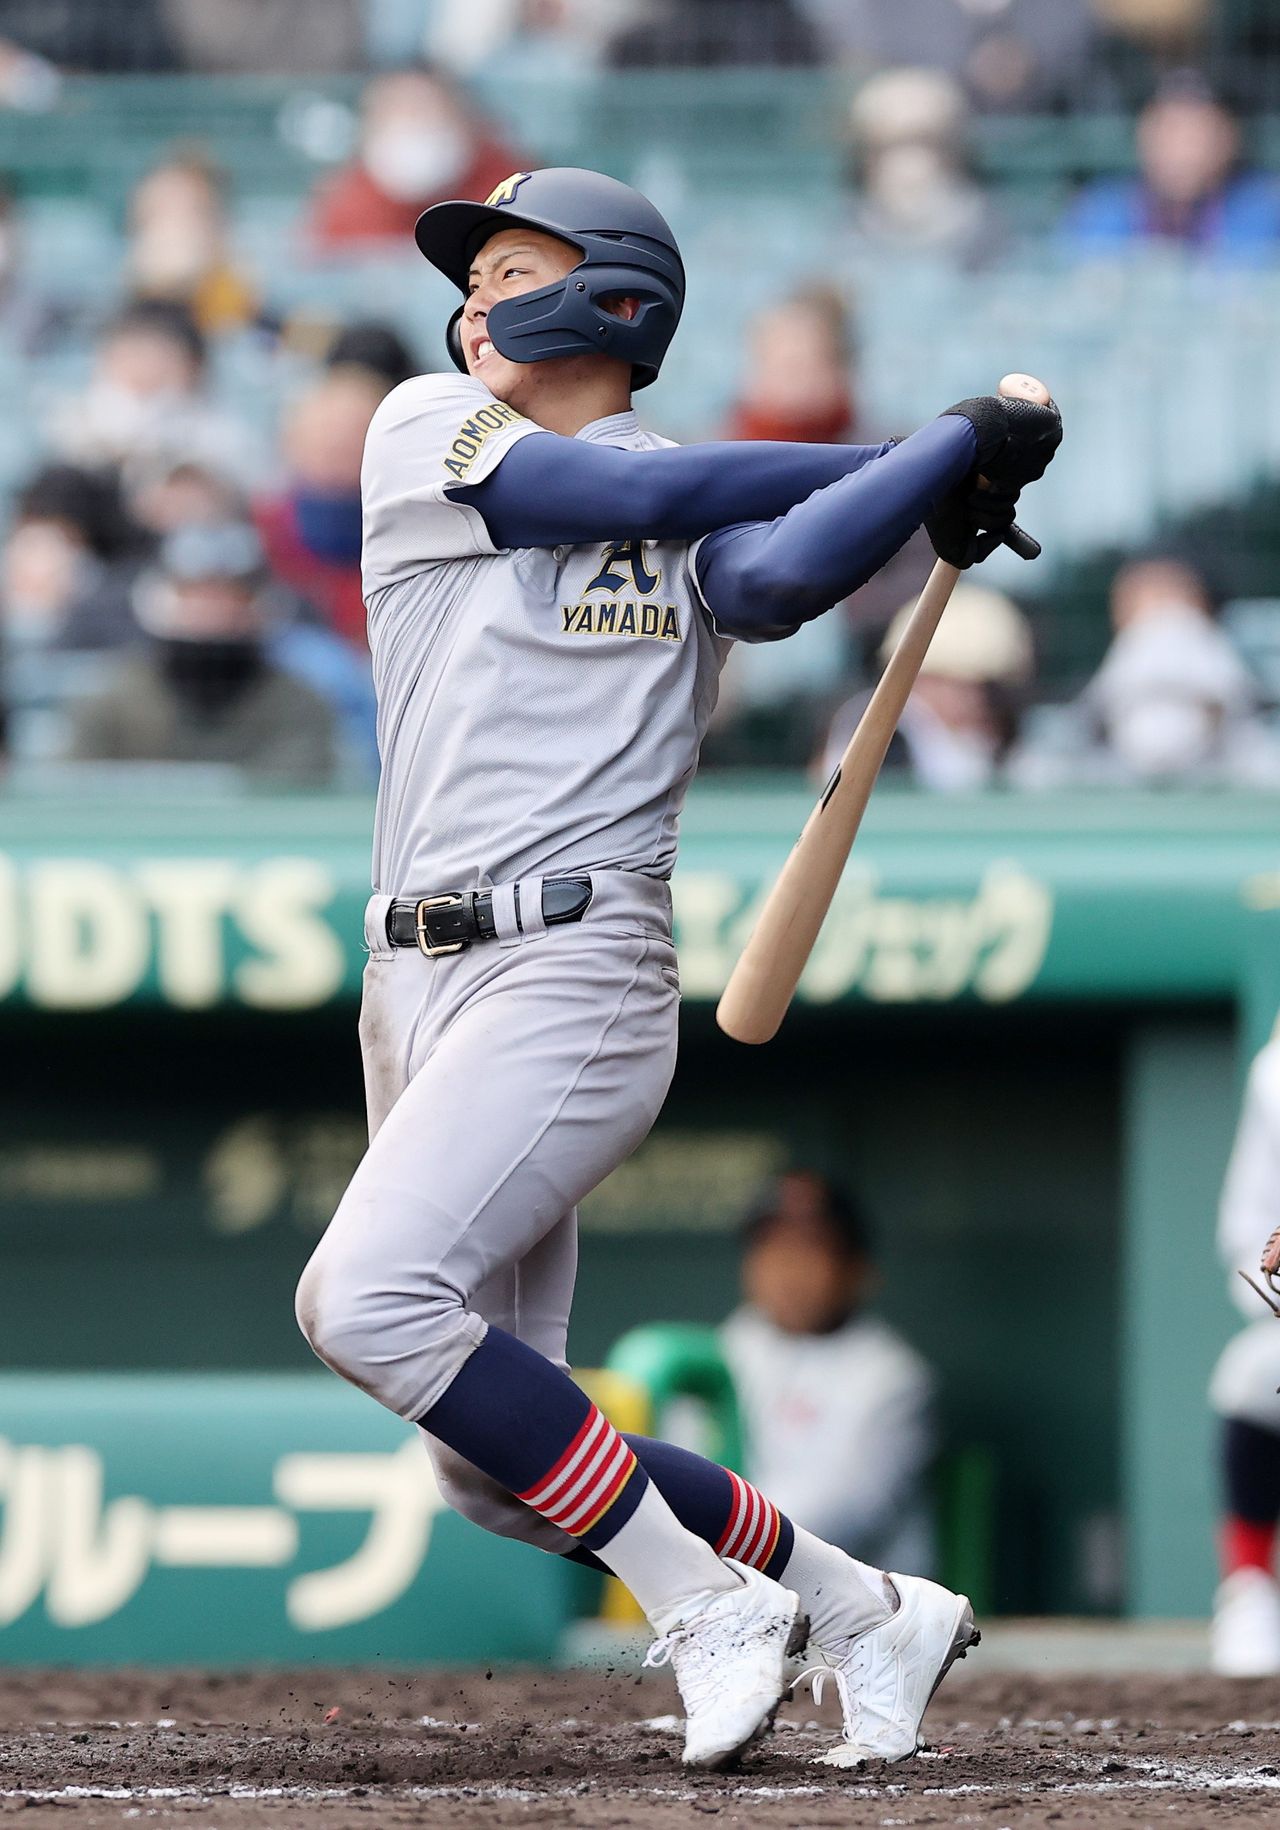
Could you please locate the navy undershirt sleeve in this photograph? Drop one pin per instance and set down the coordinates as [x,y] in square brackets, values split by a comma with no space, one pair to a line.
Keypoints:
[553,491]
[762,581]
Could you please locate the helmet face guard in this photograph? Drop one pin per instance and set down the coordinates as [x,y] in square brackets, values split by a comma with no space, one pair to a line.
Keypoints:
[633,255]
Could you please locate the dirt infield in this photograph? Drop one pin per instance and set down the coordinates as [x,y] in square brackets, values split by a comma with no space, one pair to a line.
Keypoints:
[333,1749]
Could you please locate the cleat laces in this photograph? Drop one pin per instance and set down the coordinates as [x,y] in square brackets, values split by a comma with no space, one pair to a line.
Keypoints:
[858,1713]
[692,1660]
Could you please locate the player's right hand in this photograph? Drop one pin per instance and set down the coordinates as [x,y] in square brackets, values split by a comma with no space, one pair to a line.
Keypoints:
[1016,438]
[970,523]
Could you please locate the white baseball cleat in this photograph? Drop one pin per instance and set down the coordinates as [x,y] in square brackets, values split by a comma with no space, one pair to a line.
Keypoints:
[730,1664]
[1244,1640]
[888,1674]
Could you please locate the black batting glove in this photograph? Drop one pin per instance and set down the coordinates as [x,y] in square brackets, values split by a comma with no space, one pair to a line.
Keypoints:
[1016,438]
[969,523]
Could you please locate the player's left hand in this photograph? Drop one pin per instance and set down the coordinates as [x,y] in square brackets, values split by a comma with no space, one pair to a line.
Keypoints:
[970,523]
[1016,439]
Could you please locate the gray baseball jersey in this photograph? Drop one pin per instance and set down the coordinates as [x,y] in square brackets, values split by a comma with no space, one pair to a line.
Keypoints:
[538,710]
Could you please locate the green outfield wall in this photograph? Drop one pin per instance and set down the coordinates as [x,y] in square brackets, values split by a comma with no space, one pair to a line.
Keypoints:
[237,1519]
[114,900]
[1021,1039]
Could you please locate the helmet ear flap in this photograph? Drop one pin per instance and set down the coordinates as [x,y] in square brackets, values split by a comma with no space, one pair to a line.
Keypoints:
[453,340]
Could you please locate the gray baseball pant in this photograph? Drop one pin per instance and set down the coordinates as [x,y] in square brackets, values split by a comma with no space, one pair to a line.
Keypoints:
[503,1084]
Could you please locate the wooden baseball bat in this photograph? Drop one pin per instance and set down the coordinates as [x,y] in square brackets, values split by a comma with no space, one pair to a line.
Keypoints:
[764,980]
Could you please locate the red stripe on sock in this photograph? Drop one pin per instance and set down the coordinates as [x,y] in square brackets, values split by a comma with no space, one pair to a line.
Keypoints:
[754,1527]
[766,1556]
[762,1536]
[742,1538]
[1246,1545]
[560,1467]
[737,1512]
[619,1481]
[594,1475]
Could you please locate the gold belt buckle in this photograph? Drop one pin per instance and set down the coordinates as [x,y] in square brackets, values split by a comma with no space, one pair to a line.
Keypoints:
[452,901]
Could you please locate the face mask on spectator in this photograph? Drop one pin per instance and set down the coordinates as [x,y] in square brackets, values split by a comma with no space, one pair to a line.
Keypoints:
[115,419]
[329,524]
[209,674]
[1164,737]
[949,761]
[409,162]
[913,186]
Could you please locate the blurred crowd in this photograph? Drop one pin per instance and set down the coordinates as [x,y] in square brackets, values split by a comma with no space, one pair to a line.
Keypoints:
[1008,55]
[179,584]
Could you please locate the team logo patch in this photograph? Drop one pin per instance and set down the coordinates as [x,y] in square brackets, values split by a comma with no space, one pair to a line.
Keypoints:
[620,557]
[505,193]
[623,566]
[472,433]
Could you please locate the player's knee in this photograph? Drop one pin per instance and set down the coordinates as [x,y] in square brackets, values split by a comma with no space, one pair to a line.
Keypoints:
[338,1321]
[327,1321]
[370,1336]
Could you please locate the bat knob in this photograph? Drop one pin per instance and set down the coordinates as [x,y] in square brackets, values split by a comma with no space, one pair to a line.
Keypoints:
[1025,387]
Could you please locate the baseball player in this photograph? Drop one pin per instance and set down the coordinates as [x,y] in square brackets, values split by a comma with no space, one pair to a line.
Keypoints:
[1245,1639]
[551,594]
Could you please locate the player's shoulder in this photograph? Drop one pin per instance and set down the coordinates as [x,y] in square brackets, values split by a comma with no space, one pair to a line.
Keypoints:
[434,396]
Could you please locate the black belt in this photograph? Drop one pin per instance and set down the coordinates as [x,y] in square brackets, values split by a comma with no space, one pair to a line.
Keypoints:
[452,922]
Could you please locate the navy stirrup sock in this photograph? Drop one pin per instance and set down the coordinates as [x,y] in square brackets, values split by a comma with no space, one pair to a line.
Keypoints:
[525,1424]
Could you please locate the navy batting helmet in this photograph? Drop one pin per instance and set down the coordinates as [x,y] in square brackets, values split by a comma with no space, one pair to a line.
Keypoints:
[627,250]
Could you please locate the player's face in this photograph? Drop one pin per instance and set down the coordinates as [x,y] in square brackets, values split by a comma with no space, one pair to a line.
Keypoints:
[515,261]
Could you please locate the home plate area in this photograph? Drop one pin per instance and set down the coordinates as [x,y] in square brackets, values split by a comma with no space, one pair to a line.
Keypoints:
[597,1749]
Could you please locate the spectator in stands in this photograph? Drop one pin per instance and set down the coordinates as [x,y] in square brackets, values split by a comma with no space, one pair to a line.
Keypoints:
[179,245]
[376,348]
[148,398]
[798,372]
[204,690]
[1191,191]
[701,34]
[68,563]
[312,528]
[1142,37]
[421,140]
[299,638]
[255,37]
[29,83]
[1172,703]
[837,1407]
[961,721]
[522,38]
[173,491]
[909,160]
[97,37]
[1010,55]
[800,382]
[32,321]
[707,33]
[70,557]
